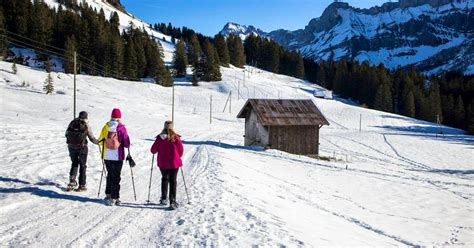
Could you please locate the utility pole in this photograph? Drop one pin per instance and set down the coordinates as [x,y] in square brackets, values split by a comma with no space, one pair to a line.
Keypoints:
[172,105]
[75,84]
[238,90]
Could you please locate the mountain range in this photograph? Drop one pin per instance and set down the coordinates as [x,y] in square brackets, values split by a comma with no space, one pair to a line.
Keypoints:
[433,35]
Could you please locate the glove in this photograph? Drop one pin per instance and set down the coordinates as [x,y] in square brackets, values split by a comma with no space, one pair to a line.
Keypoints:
[130,161]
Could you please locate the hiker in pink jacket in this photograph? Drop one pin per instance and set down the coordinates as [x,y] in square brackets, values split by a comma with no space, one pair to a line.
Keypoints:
[169,147]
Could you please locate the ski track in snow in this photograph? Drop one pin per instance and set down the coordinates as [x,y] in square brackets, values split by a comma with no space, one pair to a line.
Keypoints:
[393,192]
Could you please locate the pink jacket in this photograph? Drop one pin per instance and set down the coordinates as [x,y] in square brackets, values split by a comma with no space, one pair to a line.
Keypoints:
[169,153]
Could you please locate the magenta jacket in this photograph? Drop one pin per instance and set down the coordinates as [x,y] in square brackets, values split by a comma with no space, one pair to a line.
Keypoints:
[169,153]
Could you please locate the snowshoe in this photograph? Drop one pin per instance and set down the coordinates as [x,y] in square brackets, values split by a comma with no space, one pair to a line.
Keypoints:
[163,202]
[109,202]
[81,188]
[173,206]
[71,186]
[116,202]
[112,202]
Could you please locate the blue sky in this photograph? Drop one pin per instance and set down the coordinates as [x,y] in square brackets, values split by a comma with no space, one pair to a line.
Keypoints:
[209,16]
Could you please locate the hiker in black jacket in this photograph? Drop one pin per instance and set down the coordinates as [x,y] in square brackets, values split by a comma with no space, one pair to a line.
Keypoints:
[76,134]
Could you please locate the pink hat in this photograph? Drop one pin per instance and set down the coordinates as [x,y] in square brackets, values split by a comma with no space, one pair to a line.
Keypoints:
[116,113]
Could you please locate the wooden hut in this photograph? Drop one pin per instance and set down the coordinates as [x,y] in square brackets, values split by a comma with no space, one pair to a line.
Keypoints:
[287,125]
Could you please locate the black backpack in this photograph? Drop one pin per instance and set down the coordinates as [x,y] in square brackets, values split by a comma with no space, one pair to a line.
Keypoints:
[76,134]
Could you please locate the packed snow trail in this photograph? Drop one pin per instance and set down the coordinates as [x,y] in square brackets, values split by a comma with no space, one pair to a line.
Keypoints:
[401,185]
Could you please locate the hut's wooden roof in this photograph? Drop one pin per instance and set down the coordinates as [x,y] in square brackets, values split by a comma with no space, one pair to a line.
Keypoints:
[275,112]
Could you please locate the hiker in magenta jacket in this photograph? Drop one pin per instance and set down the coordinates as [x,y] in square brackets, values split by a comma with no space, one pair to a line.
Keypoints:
[114,139]
[169,147]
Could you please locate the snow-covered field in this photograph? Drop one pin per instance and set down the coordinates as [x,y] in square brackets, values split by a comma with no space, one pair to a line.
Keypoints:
[395,183]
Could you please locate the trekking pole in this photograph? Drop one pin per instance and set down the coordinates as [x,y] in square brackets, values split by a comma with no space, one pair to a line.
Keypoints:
[185,188]
[151,174]
[103,169]
[131,171]
[133,183]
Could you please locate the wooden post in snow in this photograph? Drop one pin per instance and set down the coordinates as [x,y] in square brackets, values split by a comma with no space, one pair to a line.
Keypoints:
[210,110]
[75,64]
[172,105]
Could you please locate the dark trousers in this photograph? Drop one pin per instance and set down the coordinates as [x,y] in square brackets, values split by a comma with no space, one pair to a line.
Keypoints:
[169,177]
[112,187]
[78,161]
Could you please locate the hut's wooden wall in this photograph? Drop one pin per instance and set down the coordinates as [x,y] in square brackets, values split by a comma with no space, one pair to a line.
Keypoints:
[255,133]
[295,139]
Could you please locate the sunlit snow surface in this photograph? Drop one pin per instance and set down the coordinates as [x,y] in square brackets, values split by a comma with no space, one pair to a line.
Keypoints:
[402,186]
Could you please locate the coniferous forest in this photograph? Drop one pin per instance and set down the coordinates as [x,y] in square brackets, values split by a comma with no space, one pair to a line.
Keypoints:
[101,48]
[133,54]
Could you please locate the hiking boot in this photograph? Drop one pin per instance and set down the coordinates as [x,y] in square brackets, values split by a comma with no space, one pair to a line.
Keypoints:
[173,205]
[163,202]
[72,183]
[81,188]
[116,202]
[109,202]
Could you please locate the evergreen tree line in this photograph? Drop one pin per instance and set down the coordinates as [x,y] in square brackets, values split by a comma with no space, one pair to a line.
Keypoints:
[269,55]
[448,97]
[131,54]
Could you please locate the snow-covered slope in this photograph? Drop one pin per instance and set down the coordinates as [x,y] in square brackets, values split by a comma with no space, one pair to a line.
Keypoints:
[125,20]
[394,184]
[434,35]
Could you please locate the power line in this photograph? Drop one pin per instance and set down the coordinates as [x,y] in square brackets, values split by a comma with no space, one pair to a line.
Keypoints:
[62,56]
[52,47]
[50,53]
[56,53]
[49,46]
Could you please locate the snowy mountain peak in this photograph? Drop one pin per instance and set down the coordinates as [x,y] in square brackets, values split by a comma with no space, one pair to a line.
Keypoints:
[433,35]
[242,31]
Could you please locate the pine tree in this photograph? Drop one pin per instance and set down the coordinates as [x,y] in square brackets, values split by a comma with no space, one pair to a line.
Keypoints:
[434,102]
[470,117]
[251,49]
[117,53]
[163,76]
[210,64]
[222,50]
[339,82]
[47,65]
[194,79]
[270,59]
[321,77]
[299,71]
[180,61]
[14,69]
[458,112]
[236,51]
[48,84]
[131,61]
[448,109]
[70,46]
[40,24]
[194,50]
[383,98]
[409,105]
[3,34]
[408,87]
